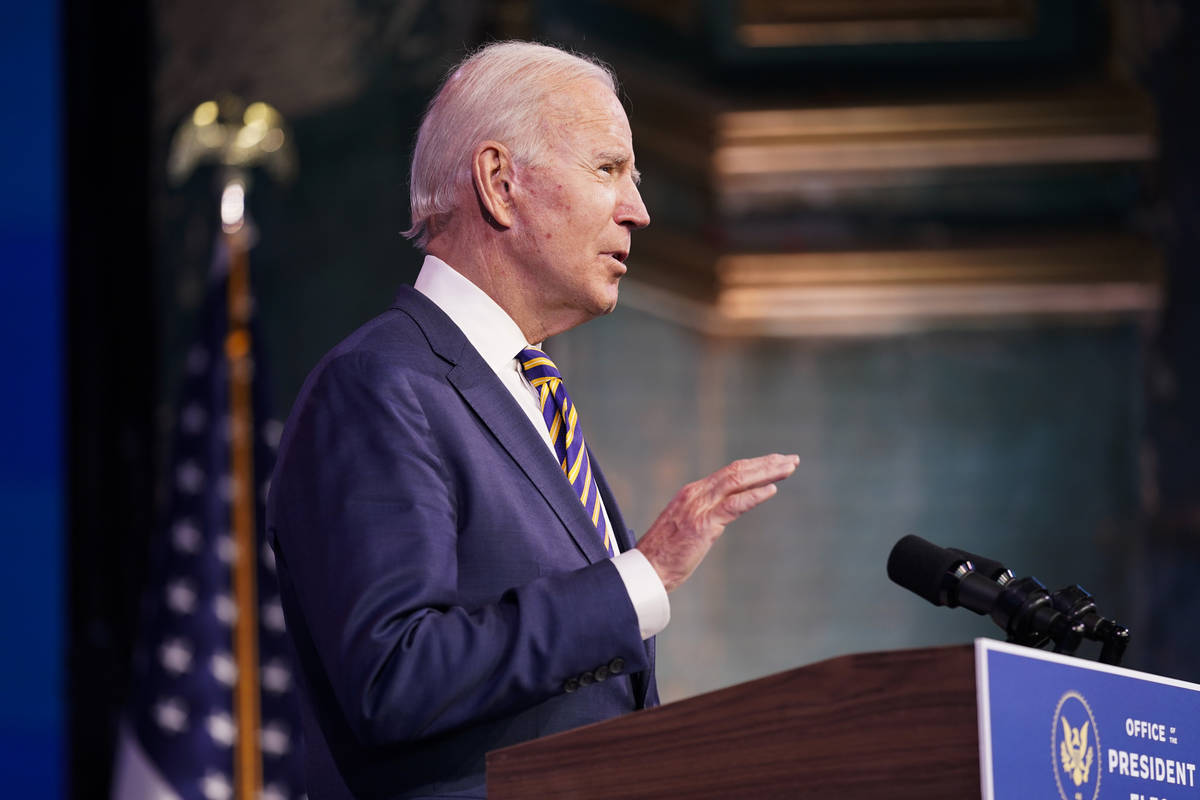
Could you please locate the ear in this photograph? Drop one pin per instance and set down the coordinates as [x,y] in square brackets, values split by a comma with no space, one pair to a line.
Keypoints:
[492,173]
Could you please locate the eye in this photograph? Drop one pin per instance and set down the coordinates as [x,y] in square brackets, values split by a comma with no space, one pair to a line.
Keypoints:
[608,169]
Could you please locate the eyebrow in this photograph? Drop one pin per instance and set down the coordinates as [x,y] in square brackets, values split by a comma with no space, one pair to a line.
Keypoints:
[620,160]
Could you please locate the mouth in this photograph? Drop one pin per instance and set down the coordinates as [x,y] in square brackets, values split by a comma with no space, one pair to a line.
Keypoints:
[618,255]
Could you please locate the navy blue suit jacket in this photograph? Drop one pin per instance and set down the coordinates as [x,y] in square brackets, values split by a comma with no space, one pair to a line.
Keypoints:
[442,583]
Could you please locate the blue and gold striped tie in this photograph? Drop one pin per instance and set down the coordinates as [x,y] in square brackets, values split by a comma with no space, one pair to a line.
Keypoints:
[567,434]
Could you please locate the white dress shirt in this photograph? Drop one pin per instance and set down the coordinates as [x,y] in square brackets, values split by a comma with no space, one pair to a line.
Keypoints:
[493,333]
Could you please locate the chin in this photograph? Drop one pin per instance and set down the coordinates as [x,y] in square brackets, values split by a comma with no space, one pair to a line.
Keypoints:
[610,303]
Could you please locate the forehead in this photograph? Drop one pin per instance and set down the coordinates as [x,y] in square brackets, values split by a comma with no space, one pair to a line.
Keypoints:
[588,110]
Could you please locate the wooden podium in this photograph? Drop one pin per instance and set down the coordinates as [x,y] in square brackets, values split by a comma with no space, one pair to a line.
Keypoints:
[896,724]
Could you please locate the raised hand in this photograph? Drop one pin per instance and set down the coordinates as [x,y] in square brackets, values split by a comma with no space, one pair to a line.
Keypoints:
[696,517]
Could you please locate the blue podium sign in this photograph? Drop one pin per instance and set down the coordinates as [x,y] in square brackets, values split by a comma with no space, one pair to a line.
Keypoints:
[1056,727]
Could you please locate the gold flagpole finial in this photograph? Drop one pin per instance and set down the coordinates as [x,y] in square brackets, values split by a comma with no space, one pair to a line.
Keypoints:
[234,135]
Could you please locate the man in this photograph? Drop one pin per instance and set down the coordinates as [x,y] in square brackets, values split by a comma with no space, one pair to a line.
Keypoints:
[454,572]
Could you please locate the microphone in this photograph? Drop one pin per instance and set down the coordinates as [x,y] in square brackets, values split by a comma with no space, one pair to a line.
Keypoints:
[1073,601]
[1079,606]
[1023,607]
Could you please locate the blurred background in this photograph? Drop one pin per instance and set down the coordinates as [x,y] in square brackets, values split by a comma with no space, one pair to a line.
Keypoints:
[943,249]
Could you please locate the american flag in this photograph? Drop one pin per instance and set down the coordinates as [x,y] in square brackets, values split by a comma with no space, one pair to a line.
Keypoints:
[181,729]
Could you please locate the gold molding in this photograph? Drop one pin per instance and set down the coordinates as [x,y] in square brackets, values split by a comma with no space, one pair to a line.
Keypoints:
[1056,261]
[879,292]
[716,142]
[804,23]
[863,311]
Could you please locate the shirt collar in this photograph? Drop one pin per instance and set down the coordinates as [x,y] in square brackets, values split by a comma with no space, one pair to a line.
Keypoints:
[487,326]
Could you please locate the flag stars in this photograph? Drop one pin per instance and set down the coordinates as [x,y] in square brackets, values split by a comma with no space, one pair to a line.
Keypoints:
[225,609]
[185,536]
[275,739]
[221,728]
[272,431]
[223,668]
[171,715]
[276,677]
[197,360]
[272,616]
[193,418]
[175,656]
[215,786]
[226,549]
[181,597]
[268,557]
[273,791]
[190,478]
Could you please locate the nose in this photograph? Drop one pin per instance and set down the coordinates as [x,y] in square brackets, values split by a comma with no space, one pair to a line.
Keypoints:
[631,211]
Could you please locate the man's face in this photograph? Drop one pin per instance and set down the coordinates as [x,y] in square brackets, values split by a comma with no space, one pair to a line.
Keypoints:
[579,208]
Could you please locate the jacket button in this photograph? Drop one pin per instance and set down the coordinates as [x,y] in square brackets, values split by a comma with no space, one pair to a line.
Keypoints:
[616,666]
[571,685]
[601,672]
[587,679]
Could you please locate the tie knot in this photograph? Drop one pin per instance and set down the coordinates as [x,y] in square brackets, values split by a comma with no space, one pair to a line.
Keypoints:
[537,364]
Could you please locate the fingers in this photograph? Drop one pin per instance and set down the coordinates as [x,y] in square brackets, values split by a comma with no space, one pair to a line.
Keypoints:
[750,473]
[679,539]
[737,504]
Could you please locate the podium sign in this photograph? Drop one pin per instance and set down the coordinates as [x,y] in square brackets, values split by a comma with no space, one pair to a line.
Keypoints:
[1057,727]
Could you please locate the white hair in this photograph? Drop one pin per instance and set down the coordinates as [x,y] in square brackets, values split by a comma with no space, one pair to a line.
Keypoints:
[499,93]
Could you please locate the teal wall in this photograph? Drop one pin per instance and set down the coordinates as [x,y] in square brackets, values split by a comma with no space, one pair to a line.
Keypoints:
[1017,443]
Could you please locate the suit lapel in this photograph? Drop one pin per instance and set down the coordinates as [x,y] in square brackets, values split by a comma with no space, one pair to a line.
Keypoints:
[490,400]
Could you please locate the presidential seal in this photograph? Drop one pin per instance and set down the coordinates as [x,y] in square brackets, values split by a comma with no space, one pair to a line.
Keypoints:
[1075,749]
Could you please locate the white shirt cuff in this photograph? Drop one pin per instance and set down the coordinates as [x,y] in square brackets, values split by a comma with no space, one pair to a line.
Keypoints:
[646,591]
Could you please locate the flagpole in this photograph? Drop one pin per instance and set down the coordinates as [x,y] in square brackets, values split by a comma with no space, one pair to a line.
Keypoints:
[247,758]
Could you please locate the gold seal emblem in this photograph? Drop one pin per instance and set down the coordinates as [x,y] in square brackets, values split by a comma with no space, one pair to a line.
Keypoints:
[1075,748]
[1076,752]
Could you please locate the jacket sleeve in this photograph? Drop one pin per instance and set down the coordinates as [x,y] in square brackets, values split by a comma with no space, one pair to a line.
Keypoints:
[364,514]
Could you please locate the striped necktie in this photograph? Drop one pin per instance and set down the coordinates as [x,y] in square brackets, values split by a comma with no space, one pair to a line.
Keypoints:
[562,419]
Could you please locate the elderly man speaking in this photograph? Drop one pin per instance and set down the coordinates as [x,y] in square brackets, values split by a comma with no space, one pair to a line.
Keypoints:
[455,572]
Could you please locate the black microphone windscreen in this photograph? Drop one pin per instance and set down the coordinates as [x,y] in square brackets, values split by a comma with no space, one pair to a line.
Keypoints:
[921,566]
